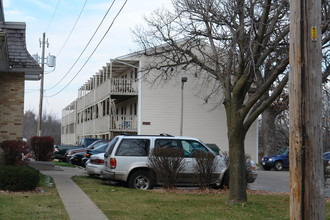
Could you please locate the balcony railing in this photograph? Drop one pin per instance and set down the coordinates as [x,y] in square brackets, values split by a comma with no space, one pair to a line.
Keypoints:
[126,123]
[123,86]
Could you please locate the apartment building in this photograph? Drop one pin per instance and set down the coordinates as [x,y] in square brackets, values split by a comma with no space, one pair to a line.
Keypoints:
[120,99]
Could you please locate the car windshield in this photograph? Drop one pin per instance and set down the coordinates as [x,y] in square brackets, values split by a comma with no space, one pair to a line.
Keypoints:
[283,151]
[96,144]
[101,148]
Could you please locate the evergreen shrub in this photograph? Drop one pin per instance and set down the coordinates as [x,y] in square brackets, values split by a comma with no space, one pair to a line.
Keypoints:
[18,178]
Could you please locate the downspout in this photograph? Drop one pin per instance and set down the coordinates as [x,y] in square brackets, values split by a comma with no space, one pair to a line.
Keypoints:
[139,110]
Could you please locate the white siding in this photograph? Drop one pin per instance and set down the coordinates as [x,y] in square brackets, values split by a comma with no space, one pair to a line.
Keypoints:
[160,111]
[161,107]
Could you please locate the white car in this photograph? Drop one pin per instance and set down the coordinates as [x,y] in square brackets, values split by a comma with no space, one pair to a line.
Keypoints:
[126,160]
[95,164]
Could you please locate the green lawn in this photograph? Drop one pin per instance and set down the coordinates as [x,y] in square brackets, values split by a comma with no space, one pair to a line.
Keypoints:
[63,164]
[31,205]
[124,203]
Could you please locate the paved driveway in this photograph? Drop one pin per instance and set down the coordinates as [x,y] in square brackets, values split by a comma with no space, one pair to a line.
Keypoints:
[277,181]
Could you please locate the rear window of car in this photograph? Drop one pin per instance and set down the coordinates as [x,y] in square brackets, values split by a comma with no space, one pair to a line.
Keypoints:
[111,145]
[133,147]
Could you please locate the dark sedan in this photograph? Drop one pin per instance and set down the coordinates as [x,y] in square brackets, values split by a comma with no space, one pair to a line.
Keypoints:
[76,159]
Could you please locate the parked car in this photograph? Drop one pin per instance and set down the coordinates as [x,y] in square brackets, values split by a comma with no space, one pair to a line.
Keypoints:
[93,145]
[95,164]
[80,158]
[61,150]
[83,144]
[126,160]
[76,159]
[326,162]
[278,161]
[97,150]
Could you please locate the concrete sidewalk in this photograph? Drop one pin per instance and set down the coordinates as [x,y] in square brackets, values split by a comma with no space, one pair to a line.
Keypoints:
[76,202]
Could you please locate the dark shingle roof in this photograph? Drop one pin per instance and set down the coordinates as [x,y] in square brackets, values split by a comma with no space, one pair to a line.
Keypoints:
[14,56]
[2,15]
[18,55]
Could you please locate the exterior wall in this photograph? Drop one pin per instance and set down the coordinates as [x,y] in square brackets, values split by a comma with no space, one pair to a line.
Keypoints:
[161,113]
[68,124]
[11,106]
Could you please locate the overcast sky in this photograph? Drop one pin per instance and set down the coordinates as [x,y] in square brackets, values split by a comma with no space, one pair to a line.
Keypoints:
[57,18]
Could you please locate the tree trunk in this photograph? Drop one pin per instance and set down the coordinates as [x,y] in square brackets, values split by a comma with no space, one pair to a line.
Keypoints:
[237,172]
[268,128]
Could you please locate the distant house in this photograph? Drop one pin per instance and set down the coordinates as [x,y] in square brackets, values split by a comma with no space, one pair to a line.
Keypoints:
[16,66]
[118,99]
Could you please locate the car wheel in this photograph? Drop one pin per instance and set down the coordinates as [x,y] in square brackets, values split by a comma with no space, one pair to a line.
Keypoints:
[266,167]
[278,166]
[140,180]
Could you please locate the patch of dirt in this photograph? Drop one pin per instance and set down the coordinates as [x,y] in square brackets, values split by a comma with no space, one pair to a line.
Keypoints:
[35,191]
[222,191]
[217,191]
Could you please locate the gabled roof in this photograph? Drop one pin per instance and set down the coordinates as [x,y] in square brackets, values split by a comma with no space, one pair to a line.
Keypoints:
[14,56]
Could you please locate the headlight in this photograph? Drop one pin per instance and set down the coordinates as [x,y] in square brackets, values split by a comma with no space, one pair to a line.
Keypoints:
[270,159]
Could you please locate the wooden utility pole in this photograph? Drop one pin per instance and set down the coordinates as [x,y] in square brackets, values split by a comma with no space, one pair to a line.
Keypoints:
[41,84]
[306,164]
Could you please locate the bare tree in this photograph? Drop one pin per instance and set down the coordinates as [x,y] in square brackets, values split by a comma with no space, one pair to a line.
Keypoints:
[50,124]
[240,45]
[274,132]
[326,118]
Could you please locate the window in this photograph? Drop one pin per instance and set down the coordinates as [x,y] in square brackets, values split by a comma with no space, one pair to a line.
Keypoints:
[166,143]
[134,147]
[135,109]
[111,145]
[190,146]
[136,73]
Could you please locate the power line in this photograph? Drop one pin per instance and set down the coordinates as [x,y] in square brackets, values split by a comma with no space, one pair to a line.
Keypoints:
[72,28]
[51,21]
[85,46]
[93,50]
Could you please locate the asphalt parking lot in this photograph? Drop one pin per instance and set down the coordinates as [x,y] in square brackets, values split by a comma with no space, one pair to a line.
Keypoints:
[277,181]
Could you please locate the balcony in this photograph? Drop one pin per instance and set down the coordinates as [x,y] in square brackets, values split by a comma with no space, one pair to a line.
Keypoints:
[123,123]
[120,86]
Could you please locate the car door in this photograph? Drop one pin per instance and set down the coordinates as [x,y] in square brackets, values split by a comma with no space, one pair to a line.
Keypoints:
[170,143]
[189,172]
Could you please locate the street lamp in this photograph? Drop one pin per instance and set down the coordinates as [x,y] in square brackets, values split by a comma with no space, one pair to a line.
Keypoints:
[183,80]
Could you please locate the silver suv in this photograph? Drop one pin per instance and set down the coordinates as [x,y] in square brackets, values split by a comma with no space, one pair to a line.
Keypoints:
[126,160]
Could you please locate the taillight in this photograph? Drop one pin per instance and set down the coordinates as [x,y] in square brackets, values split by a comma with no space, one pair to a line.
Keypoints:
[99,161]
[96,161]
[113,163]
[87,155]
